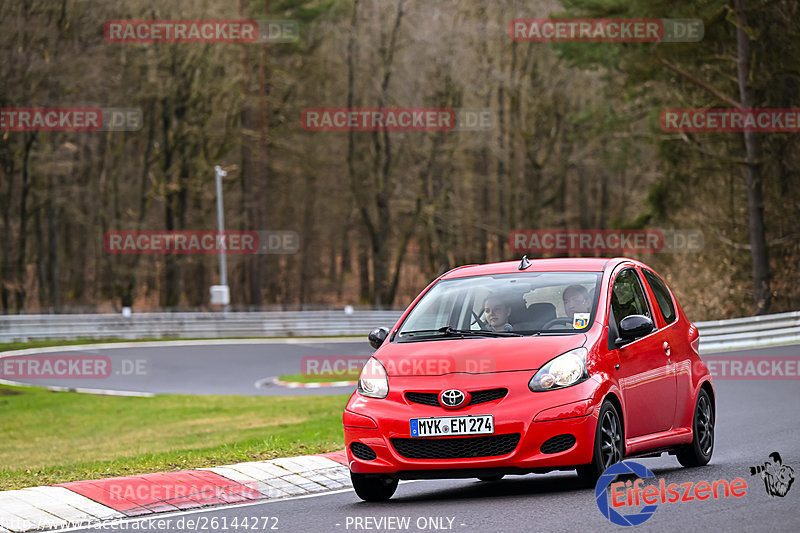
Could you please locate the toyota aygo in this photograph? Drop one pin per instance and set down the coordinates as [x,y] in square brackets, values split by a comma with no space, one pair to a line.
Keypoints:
[528,367]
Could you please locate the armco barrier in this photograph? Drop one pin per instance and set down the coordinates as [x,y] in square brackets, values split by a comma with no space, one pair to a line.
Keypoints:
[717,335]
[193,325]
[714,335]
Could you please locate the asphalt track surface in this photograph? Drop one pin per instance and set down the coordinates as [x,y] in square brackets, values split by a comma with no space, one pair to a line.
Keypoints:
[228,369]
[754,419]
[244,368]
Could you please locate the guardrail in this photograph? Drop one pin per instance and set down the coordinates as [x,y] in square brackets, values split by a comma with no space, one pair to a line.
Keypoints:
[714,335]
[718,335]
[193,325]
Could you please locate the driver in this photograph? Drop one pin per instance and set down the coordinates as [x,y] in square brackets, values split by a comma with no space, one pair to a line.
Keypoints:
[497,312]
[576,300]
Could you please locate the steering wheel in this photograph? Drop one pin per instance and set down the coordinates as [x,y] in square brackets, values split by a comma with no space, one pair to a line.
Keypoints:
[559,320]
[478,321]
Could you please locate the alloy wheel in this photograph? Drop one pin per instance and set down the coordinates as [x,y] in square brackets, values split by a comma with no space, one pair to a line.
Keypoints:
[611,439]
[705,425]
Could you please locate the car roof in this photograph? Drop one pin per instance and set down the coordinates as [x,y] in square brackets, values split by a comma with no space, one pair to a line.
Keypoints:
[570,264]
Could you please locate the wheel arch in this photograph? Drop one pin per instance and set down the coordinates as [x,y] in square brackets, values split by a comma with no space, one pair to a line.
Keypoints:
[612,397]
[706,386]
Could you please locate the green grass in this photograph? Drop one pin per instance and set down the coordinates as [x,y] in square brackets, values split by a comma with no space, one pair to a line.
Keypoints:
[304,378]
[53,437]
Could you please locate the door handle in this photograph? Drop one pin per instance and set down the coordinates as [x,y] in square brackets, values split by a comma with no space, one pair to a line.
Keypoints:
[666,348]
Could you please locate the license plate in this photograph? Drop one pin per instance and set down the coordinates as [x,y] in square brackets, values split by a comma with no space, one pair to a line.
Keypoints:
[452,425]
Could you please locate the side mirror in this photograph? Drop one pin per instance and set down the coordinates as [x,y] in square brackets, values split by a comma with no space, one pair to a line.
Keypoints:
[377,336]
[632,327]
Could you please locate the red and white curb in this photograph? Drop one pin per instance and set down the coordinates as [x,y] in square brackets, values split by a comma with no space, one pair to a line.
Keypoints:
[82,503]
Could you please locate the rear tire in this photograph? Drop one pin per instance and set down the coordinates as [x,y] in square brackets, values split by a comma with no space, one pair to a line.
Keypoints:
[373,488]
[698,453]
[608,445]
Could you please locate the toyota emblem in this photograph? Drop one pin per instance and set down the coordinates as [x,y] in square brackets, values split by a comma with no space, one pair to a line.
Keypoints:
[452,398]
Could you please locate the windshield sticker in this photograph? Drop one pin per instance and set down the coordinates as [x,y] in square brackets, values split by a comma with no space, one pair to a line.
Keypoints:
[580,320]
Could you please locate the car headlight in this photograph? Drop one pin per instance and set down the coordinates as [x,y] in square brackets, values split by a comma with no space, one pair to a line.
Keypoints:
[565,370]
[373,381]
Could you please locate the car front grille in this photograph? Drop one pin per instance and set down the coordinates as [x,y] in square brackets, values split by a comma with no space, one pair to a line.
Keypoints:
[477,397]
[456,448]
[425,398]
[489,395]
[559,443]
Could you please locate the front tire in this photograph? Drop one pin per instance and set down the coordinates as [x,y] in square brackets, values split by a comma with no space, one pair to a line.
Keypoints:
[698,453]
[608,445]
[373,488]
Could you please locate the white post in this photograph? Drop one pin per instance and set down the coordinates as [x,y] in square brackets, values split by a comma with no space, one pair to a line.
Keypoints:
[223,269]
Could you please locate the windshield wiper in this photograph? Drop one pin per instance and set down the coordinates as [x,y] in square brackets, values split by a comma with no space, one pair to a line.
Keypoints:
[447,331]
[450,332]
[419,332]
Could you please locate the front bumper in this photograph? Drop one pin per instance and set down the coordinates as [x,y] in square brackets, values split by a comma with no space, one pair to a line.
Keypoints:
[536,417]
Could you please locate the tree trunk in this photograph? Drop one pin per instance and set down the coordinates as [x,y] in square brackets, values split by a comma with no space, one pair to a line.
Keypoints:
[755,199]
[169,296]
[309,253]
[502,198]
[23,222]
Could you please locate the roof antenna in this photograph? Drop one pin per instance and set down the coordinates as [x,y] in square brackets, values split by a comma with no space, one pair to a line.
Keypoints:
[524,263]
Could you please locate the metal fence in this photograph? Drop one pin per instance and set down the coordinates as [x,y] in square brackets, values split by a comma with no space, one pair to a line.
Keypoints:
[714,335]
[193,325]
[717,335]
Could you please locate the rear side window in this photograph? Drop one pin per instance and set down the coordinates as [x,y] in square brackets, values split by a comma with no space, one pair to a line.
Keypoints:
[663,299]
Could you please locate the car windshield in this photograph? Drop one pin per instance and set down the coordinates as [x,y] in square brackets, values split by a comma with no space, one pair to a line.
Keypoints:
[505,305]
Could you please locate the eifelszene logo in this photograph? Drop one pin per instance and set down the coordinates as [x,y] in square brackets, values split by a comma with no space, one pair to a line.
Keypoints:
[633,494]
[601,494]
[778,477]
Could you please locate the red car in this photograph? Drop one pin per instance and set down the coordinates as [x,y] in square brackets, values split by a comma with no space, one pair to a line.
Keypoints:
[532,366]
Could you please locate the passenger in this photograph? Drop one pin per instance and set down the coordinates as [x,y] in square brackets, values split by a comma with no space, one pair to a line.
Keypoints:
[497,312]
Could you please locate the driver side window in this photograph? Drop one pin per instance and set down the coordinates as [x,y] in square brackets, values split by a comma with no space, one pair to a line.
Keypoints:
[627,297]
